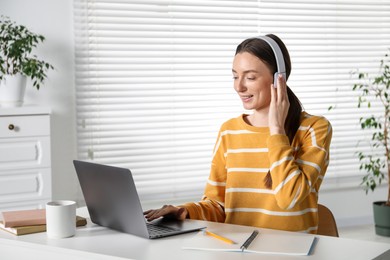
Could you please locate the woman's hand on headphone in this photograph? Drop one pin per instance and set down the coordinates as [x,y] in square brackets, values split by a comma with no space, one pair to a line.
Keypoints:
[279,106]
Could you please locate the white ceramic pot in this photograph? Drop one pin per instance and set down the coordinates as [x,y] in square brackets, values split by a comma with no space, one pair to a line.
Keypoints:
[12,89]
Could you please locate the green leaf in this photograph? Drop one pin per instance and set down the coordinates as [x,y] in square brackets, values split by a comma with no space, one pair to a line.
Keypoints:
[16,45]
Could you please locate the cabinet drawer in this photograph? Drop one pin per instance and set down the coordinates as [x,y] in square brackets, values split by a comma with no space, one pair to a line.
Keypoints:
[23,185]
[23,205]
[19,126]
[25,152]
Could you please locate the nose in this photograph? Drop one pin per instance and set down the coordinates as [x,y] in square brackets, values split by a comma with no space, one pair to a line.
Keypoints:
[239,85]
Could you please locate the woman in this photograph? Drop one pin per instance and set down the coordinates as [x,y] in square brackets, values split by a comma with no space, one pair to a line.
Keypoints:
[267,166]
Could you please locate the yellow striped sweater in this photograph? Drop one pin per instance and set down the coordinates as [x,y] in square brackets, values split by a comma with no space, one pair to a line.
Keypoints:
[235,192]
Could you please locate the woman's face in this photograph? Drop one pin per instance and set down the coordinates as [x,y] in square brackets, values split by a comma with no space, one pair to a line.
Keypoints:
[252,81]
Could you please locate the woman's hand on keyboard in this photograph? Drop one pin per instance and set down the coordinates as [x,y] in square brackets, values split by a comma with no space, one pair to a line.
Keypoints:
[167,211]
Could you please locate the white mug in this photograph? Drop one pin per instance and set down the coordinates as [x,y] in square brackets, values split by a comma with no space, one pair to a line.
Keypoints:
[60,218]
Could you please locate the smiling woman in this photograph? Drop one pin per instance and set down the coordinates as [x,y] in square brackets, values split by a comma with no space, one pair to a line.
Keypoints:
[259,176]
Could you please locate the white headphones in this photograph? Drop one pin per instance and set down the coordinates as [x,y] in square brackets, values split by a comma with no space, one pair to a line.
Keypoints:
[281,68]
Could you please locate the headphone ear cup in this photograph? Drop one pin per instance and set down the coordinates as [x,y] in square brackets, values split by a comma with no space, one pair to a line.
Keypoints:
[276,78]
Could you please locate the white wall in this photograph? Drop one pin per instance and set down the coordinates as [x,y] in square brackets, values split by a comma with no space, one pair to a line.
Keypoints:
[54,19]
[350,204]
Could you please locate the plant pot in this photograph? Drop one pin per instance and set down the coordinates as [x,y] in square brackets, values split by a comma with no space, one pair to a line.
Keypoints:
[12,89]
[381,218]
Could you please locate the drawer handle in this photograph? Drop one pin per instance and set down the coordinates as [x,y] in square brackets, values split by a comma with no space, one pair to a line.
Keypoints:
[11,127]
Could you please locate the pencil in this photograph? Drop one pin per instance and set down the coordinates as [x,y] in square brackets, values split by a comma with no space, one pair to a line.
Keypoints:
[224,239]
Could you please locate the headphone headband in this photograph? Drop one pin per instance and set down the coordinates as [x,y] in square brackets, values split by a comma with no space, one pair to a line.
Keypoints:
[281,68]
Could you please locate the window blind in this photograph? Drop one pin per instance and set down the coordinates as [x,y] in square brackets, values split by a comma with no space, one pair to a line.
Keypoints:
[154,84]
[153,79]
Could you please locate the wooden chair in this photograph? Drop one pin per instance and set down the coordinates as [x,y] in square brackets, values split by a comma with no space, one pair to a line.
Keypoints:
[326,222]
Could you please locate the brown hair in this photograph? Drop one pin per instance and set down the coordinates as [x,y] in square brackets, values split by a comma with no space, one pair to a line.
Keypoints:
[263,51]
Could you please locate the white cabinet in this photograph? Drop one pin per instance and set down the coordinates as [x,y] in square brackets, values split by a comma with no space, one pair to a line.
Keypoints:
[25,164]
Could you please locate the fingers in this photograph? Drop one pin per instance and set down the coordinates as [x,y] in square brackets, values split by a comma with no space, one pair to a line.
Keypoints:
[166,211]
[182,214]
[273,93]
[156,213]
[282,89]
[279,106]
[279,93]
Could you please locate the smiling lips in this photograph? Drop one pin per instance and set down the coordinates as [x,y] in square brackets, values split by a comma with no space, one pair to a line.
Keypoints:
[246,98]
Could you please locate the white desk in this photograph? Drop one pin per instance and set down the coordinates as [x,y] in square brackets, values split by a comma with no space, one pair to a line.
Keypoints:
[95,242]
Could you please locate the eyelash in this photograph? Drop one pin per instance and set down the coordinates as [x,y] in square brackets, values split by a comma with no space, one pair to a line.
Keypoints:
[234,78]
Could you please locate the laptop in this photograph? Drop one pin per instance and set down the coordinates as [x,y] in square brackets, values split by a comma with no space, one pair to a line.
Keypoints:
[112,201]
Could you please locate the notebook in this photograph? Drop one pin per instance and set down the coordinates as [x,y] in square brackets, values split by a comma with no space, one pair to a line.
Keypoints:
[17,218]
[262,243]
[112,201]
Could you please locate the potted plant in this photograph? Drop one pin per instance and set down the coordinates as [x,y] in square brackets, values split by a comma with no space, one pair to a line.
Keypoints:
[17,63]
[376,162]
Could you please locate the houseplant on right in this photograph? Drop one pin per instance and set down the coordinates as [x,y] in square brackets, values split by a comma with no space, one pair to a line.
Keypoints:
[16,61]
[376,162]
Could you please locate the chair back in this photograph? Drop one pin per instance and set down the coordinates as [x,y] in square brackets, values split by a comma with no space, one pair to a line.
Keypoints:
[326,222]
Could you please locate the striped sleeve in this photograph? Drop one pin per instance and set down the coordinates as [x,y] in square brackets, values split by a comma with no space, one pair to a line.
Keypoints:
[295,172]
[206,209]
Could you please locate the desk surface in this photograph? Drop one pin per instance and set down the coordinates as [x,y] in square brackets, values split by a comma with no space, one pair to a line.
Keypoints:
[95,242]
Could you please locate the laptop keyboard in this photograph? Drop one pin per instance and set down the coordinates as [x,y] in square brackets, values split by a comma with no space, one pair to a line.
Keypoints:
[158,230]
